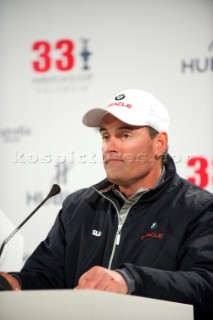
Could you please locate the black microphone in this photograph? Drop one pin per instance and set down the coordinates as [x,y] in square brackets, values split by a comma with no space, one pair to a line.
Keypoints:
[54,190]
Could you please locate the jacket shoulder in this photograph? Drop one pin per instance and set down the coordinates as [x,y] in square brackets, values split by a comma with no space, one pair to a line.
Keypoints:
[82,195]
[202,198]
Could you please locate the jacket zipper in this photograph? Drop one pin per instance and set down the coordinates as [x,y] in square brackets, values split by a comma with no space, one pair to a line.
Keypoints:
[116,243]
[118,233]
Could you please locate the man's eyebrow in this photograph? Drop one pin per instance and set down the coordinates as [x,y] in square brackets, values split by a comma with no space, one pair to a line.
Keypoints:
[102,129]
[127,127]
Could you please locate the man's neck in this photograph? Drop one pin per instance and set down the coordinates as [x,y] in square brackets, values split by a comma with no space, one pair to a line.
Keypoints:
[128,191]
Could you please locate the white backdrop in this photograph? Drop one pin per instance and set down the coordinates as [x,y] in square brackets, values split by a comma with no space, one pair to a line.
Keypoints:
[58,58]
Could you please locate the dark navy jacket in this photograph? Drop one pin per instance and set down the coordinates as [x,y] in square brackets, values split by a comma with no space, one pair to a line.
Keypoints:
[166,244]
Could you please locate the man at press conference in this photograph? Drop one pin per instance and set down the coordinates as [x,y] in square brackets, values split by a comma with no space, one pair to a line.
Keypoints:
[143,230]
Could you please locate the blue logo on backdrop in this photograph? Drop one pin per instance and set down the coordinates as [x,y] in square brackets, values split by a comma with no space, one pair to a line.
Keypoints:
[85,54]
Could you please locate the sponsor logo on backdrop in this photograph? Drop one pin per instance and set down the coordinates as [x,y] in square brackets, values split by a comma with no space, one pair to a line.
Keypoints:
[15,134]
[201,171]
[61,176]
[202,64]
[63,166]
[64,65]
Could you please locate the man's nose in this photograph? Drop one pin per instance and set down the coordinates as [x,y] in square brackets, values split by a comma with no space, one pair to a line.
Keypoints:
[112,145]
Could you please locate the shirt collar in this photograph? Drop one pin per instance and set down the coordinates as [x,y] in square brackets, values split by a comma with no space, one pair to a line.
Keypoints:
[141,190]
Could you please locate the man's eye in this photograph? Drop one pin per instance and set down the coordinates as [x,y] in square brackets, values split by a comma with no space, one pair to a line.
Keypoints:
[126,135]
[105,138]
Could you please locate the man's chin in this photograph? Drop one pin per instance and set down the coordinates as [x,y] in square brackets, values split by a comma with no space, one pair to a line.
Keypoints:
[115,179]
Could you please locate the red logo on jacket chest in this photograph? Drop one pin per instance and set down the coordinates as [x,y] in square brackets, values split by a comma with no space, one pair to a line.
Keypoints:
[153,235]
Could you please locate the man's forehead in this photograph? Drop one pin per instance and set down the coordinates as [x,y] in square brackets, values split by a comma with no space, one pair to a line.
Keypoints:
[108,118]
[111,122]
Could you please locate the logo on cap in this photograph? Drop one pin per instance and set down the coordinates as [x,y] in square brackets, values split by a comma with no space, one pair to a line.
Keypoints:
[120,97]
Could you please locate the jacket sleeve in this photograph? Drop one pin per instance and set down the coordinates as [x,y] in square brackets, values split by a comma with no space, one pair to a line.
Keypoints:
[45,267]
[192,283]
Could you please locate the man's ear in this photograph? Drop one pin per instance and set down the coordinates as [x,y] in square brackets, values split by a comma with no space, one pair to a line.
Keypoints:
[161,143]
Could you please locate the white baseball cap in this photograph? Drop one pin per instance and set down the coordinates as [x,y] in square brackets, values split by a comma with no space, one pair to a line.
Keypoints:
[134,107]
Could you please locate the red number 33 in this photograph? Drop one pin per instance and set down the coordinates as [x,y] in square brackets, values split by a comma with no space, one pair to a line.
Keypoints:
[200,169]
[44,61]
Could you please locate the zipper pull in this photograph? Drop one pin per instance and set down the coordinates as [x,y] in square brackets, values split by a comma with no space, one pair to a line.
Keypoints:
[118,237]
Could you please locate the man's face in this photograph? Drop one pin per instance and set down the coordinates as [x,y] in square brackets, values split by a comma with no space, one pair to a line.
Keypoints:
[129,153]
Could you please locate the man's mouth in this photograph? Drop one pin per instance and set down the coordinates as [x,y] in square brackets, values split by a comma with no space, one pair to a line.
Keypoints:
[113,158]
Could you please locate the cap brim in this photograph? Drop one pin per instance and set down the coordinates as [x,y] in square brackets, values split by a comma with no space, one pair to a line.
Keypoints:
[93,118]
